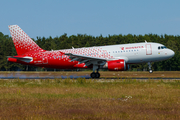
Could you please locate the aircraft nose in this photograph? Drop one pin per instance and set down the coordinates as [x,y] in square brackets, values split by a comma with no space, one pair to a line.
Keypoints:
[171,53]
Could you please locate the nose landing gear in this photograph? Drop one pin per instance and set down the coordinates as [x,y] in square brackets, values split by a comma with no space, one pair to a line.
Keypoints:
[150,70]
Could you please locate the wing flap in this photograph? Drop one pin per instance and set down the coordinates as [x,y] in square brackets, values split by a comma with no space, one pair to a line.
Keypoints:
[83,57]
[88,60]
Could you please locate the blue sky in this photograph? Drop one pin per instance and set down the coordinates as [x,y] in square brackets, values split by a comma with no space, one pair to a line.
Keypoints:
[92,17]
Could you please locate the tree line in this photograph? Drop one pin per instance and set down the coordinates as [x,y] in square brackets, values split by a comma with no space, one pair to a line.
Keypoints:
[82,40]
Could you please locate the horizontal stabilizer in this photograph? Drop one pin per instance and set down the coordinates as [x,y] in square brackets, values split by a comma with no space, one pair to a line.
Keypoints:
[24,59]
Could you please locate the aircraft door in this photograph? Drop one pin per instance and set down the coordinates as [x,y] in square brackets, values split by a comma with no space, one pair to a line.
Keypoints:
[148,49]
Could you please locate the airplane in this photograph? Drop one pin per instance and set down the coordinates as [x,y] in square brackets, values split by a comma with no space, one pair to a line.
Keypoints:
[111,57]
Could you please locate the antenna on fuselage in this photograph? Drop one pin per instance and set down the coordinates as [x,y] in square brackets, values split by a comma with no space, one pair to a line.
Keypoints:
[145,41]
[72,47]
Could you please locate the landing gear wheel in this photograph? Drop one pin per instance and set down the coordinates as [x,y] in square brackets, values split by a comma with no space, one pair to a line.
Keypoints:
[93,75]
[97,75]
[150,71]
[95,67]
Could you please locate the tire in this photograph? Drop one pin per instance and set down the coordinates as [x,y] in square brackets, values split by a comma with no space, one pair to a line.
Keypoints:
[150,71]
[97,75]
[93,75]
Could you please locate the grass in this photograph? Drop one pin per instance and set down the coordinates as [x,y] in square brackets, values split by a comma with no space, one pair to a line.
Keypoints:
[89,99]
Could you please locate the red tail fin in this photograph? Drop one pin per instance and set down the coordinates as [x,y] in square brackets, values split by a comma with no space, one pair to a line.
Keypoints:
[22,42]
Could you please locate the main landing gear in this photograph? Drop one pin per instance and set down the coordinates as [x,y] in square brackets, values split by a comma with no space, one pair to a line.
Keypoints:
[150,70]
[95,74]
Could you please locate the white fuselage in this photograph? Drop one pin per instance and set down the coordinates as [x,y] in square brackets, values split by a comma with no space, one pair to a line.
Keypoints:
[131,53]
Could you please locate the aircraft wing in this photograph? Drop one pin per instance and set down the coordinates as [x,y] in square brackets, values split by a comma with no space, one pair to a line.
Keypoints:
[88,60]
[24,59]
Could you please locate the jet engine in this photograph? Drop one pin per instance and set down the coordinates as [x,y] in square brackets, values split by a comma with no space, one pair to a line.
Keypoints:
[116,65]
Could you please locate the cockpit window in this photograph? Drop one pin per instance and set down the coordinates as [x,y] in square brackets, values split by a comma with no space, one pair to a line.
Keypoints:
[161,47]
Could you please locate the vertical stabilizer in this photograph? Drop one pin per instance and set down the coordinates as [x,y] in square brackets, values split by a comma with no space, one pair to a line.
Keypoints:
[22,42]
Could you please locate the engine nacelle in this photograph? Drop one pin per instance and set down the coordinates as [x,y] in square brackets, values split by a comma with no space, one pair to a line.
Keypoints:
[116,65]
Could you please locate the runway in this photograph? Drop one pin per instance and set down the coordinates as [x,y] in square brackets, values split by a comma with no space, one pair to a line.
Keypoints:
[46,77]
[86,77]
[104,75]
